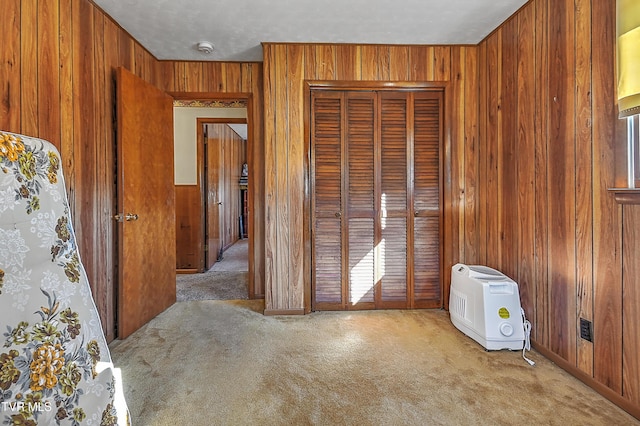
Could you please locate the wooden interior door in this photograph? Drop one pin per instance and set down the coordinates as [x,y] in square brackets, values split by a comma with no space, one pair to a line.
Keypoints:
[146,202]
[376,199]
[214,196]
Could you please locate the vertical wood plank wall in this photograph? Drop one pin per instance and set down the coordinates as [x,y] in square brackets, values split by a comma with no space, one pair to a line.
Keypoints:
[533,134]
[547,155]
[57,82]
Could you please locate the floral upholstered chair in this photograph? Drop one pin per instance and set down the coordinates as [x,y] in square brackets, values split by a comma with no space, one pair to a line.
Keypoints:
[55,366]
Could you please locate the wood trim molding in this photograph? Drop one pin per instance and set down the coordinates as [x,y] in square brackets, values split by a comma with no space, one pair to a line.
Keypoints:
[212,103]
[626,195]
[588,380]
[376,85]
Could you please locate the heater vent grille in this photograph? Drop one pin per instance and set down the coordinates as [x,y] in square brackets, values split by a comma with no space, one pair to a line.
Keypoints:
[458,304]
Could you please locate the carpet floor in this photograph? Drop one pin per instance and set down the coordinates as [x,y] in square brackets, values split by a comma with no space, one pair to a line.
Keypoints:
[213,362]
[227,280]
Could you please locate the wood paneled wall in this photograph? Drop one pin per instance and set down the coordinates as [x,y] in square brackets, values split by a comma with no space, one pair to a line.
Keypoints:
[534,145]
[547,155]
[57,82]
[286,68]
[189,229]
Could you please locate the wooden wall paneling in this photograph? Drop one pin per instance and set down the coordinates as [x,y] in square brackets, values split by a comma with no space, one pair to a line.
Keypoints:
[430,66]
[631,305]
[418,63]
[296,174]
[452,162]
[194,77]
[66,96]
[166,70]
[234,77]
[270,84]
[471,155]
[255,144]
[139,64]
[282,212]
[29,67]
[562,181]
[383,62]
[48,70]
[540,318]
[347,62]
[490,207]
[179,81]
[483,131]
[188,229]
[369,58]
[399,63]
[442,63]
[508,171]
[310,68]
[584,203]
[10,71]
[104,174]
[607,267]
[212,74]
[108,172]
[525,147]
[84,151]
[326,61]
[125,48]
[228,205]
[156,71]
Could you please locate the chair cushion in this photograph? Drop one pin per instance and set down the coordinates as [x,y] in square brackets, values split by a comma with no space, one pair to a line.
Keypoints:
[55,366]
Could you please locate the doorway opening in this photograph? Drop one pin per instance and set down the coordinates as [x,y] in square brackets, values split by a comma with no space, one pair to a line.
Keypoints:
[213,232]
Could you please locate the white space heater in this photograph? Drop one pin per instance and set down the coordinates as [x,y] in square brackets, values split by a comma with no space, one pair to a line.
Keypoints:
[485,305]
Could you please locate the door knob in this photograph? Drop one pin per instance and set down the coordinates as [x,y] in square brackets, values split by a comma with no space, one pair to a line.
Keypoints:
[131,216]
[338,214]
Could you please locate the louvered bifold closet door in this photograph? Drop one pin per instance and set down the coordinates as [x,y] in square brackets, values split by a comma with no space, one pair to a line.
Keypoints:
[376,199]
[326,149]
[427,193]
[361,199]
[391,227]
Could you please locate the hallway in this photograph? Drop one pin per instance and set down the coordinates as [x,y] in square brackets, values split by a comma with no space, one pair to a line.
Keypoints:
[226,280]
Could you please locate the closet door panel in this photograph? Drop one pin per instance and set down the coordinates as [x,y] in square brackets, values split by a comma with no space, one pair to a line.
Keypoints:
[393,196]
[327,141]
[427,192]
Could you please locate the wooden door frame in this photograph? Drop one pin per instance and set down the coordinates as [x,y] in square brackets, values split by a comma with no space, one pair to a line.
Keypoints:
[450,231]
[248,98]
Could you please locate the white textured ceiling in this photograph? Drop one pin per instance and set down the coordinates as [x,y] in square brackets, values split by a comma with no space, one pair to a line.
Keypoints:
[171,29]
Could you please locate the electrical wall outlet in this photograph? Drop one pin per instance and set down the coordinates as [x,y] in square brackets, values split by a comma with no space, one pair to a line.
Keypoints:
[586,329]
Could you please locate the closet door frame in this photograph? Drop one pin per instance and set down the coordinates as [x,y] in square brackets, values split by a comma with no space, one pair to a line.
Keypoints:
[449,232]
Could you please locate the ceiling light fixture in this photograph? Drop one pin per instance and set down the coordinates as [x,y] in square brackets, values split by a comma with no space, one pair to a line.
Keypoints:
[205,47]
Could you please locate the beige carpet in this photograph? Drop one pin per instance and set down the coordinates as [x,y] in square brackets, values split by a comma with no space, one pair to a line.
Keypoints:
[228,279]
[224,363]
